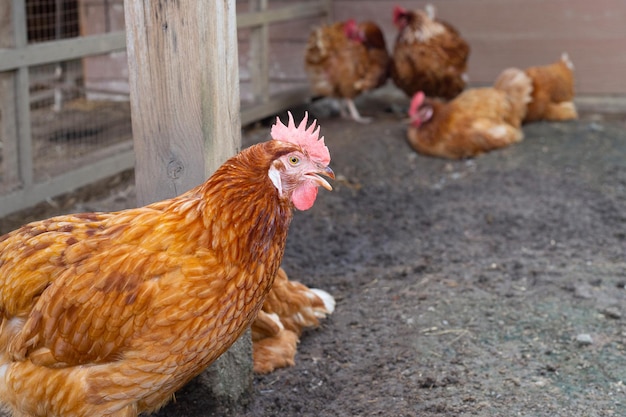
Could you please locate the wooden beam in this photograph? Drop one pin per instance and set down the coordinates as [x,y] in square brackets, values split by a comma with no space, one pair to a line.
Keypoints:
[259,55]
[122,159]
[184,95]
[295,11]
[14,102]
[61,50]
[275,104]
[9,170]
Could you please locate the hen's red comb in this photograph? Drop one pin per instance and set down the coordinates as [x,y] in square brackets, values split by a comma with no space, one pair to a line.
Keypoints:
[351,29]
[307,138]
[350,25]
[398,12]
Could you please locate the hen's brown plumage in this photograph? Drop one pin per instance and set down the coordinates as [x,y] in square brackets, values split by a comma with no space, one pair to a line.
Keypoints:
[553,91]
[429,55]
[289,308]
[108,314]
[477,121]
[345,59]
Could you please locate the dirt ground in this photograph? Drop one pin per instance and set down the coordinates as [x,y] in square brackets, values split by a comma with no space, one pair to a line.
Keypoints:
[488,287]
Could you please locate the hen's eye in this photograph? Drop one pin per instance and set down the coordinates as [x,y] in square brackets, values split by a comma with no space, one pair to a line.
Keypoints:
[294,160]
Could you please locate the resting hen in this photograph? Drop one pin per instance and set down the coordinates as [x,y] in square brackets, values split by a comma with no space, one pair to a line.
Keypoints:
[289,308]
[553,91]
[429,54]
[345,59]
[477,121]
[108,314]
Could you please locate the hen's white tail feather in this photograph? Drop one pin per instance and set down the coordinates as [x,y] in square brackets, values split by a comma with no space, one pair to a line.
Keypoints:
[566,59]
[327,299]
[430,11]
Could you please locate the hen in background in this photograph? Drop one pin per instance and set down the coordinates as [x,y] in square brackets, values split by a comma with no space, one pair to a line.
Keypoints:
[289,308]
[429,54]
[345,59]
[477,121]
[109,314]
[553,91]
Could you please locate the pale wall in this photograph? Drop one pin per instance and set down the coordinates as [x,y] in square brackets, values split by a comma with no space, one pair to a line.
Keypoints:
[522,33]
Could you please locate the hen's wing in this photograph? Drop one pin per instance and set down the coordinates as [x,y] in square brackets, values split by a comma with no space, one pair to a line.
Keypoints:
[456,49]
[94,299]
[487,119]
[31,259]
[378,60]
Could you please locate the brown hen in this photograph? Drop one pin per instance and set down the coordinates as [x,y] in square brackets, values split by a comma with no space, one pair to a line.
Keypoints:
[429,54]
[477,121]
[553,91]
[108,314]
[345,59]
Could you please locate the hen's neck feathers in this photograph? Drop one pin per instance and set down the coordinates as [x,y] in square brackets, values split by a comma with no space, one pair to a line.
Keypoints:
[237,212]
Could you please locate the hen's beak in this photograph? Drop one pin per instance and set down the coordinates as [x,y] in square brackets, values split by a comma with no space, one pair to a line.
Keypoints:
[326,171]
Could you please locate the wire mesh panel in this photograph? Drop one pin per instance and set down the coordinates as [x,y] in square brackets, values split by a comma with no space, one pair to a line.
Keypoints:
[49,20]
[285,59]
[69,121]
[286,53]
[76,129]
[272,40]
[78,107]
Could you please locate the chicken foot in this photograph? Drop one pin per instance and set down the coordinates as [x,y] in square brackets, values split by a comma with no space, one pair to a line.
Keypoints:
[353,112]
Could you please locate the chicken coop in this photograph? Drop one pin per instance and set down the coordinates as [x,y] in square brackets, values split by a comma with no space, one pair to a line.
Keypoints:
[64,90]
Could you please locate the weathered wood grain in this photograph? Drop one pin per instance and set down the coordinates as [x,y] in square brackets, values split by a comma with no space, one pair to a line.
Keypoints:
[183,73]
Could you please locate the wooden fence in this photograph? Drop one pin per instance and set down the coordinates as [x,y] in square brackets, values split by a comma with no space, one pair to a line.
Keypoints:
[19,186]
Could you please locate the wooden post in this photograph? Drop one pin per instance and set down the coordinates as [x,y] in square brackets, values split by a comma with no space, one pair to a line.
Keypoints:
[184,80]
[259,56]
[330,11]
[15,132]
[8,117]
[184,91]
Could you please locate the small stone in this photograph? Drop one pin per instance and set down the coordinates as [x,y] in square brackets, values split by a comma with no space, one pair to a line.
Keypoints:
[596,127]
[612,313]
[583,291]
[584,339]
